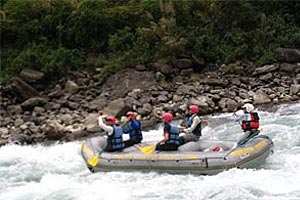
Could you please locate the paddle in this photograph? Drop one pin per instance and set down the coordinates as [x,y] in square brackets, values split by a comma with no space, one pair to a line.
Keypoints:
[250,137]
[93,161]
[147,150]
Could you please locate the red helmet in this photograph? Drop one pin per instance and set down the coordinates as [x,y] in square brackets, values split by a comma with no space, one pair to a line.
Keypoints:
[167,117]
[130,113]
[194,109]
[111,118]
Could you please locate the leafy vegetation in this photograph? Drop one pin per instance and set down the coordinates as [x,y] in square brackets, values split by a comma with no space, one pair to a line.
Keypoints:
[55,35]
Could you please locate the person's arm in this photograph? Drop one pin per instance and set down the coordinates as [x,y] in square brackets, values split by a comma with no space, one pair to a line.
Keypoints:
[241,117]
[166,133]
[195,123]
[166,137]
[109,129]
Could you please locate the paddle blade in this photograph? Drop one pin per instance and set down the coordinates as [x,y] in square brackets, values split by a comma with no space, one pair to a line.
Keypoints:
[93,161]
[147,150]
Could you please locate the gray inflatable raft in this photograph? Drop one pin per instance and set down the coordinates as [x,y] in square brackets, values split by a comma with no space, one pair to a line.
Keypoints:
[204,157]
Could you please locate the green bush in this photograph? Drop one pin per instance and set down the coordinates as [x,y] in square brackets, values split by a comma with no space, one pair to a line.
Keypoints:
[232,69]
[53,36]
[52,62]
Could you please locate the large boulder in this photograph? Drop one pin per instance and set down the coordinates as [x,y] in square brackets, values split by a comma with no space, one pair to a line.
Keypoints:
[97,104]
[22,90]
[33,102]
[117,107]
[265,69]
[227,105]
[30,75]
[288,55]
[260,97]
[214,81]
[183,63]
[290,68]
[205,104]
[54,130]
[14,109]
[119,84]
[91,123]
[295,89]
[71,87]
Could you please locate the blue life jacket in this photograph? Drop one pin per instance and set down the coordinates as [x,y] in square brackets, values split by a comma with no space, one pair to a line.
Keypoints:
[135,133]
[173,134]
[116,140]
[197,130]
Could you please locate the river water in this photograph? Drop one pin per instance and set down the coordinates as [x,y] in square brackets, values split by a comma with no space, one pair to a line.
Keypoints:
[58,171]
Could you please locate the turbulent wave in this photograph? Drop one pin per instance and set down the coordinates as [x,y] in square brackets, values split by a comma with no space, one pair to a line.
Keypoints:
[58,171]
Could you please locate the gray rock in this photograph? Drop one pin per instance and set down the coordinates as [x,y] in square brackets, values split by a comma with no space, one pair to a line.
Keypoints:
[227,105]
[14,109]
[22,90]
[33,102]
[37,111]
[288,55]
[177,98]
[53,106]
[97,104]
[295,89]
[162,99]
[186,89]
[140,67]
[3,131]
[118,85]
[145,110]
[91,123]
[183,63]
[71,87]
[30,75]
[265,69]
[214,81]
[290,68]
[261,97]
[266,77]
[187,73]
[54,130]
[117,107]
[18,122]
[160,77]
[3,142]
[206,105]
[284,98]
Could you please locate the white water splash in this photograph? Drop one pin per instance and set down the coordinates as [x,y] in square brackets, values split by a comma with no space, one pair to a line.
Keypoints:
[58,172]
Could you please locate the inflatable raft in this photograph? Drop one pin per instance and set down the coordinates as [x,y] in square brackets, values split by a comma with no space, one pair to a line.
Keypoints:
[203,157]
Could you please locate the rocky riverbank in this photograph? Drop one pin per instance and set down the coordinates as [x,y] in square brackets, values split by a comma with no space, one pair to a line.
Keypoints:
[35,111]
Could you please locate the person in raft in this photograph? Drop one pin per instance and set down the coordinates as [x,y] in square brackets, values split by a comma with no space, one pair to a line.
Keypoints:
[134,129]
[193,129]
[170,142]
[113,132]
[249,121]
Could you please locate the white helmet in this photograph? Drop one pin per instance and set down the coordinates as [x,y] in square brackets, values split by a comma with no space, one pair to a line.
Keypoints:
[249,107]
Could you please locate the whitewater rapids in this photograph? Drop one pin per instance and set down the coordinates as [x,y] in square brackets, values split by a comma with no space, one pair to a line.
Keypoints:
[57,172]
